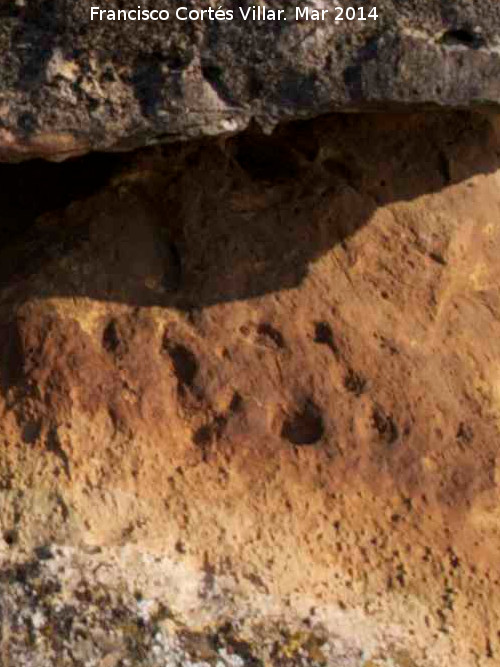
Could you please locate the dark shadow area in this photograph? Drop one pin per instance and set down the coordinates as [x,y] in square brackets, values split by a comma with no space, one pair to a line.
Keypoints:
[214,221]
[463,37]
[33,188]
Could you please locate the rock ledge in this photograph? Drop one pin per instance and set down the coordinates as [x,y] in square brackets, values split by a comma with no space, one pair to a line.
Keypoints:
[69,84]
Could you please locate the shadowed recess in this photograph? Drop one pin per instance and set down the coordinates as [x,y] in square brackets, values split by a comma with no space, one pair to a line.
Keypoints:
[214,221]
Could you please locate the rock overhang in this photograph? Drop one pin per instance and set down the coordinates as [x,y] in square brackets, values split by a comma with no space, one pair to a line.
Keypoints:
[72,81]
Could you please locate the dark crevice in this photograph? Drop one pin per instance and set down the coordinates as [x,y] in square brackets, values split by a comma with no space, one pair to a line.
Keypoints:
[323,335]
[53,445]
[184,362]
[305,426]
[33,188]
[463,37]
[265,158]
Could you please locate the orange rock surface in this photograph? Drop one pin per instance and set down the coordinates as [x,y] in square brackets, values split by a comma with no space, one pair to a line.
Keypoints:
[275,359]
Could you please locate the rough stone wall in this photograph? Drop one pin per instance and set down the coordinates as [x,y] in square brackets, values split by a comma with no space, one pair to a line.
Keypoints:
[249,401]
[70,84]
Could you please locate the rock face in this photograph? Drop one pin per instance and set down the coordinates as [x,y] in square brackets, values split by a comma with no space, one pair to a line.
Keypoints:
[249,398]
[70,83]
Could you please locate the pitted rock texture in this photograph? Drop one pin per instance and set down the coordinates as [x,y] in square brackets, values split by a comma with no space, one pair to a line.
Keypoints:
[271,363]
[69,84]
